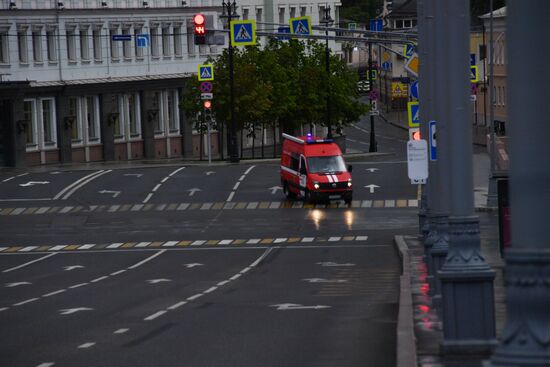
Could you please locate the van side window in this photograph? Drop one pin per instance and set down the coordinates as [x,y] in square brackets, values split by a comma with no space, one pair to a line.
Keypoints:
[294,162]
[303,166]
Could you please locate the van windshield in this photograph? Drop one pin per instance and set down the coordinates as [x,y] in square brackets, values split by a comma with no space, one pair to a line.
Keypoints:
[327,164]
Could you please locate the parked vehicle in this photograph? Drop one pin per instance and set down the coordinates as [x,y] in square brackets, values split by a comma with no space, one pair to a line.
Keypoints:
[313,168]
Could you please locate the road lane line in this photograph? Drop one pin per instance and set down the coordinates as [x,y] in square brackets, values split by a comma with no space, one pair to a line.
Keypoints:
[118,272]
[78,285]
[222,283]
[235,277]
[210,290]
[230,196]
[147,259]
[86,345]
[236,186]
[115,245]
[29,263]
[120,331]
[4,309]
[192,298]
[147,198]
[46,364]
[25,302]
[8,179]
[79,186]
[177,305]
[156,187]
[165,179]
[62,192]
[248,170]
[176,171]
[155,315]
[99,279]
[54,293]
[22,174]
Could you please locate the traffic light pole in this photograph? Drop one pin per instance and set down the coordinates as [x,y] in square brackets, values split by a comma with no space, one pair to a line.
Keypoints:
[372,143]
[233,155]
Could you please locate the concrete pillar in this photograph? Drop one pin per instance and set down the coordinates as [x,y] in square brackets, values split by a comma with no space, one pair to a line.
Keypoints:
[15,131]
[108,115]
[149,116]
[466,278]
[64,125]
[525,340]
[186,128]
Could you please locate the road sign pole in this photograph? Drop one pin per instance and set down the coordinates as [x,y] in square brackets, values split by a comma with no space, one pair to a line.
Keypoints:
[528,259]
[466,278]
[372,144]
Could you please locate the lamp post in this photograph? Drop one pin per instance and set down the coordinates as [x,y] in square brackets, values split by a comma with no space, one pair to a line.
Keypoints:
[327,21]
[230,12]
[372,141]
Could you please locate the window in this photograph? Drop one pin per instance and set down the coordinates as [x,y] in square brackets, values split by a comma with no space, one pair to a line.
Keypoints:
[504,96]
[115,53]
[71,45]
[303,10]
[159,127]
[84,45]
[4,50]
[321,13]
[166,41]
[190,41]
[259,14]
[37,45]
[52,45]
[92,118]
[132,113]
[407,23]
[245,13]
[118,128]
[138,50]
[154,41]
[398,23]
[22,45]
[30,117]
[292,12]
[96,35]
[73,113]
[281,15]
[48,127]
[126,46]
[172,106]
[177,41]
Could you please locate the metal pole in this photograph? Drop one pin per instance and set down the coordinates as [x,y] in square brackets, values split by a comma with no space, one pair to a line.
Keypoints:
[492,194]
[209,140]
[466,278]
[232,144]
[525,338]
[327,62]
[372,144]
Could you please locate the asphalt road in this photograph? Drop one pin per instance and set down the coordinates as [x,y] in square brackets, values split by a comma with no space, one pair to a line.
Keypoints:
[202,265]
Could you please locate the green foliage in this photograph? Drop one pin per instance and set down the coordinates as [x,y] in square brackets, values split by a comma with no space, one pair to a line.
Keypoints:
[283,83]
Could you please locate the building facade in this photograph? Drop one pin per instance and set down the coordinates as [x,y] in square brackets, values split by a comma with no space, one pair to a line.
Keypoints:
[101,80]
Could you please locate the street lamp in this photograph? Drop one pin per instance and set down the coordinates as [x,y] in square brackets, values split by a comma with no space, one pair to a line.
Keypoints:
[327,21]
[229,12]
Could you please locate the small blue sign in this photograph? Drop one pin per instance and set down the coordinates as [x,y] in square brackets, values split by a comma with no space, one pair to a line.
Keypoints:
[142,40]
[472,59]
[122,37]
[386,66]
[433,142]
[376,25]
[284,30]
[409,50]
[414,89]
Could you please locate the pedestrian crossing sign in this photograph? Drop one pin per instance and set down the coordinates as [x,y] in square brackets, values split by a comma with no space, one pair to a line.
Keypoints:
[206,72]
[243,32]
[301,25]
[474,76]
[413,109]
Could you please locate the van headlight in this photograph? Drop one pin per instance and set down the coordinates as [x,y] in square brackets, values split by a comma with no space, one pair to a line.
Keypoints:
[316,185]
[349,183]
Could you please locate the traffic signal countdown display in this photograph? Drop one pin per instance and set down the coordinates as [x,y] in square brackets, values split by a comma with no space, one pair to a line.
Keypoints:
[199,22]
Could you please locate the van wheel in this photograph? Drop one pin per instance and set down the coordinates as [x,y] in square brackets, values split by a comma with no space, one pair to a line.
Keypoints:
[287,192]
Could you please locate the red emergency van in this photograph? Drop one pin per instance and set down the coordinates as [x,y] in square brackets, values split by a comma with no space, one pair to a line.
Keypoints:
[313,168]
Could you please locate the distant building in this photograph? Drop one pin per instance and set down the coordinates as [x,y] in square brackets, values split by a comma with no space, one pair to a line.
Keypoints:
[101,80]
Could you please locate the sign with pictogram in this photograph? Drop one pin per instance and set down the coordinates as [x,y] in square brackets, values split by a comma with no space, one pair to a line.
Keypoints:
[301,25]
[412,65]
[433,141]
[206,72]
[413,114]
[414,89]
[207,95]
[206,87]
[142,40]
[243,32]
[399,90]
[408,50]
[474,76]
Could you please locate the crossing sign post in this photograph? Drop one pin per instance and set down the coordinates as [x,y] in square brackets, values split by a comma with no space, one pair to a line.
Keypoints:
[243,32]
[474,76]
[206,72]
[301,25]
[413,109]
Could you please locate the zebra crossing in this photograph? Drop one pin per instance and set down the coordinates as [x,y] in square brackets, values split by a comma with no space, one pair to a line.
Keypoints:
[269,241]
[254,205]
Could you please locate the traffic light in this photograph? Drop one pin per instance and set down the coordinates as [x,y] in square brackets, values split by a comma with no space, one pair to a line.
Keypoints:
[199,22]
[207,104]
[414,133]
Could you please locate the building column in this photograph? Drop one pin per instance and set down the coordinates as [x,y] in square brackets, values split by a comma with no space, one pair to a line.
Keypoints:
[64,128]
[108,118]
[525,340]
[149,116]
[14,131]
[186,128]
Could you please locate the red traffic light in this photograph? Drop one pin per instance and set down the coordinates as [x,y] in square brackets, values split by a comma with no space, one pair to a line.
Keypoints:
[416,135]
[207,104]
[198,19]
[200,27]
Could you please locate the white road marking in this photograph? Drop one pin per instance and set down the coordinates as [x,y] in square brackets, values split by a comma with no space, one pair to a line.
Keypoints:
[236,186]
[147,259]
[147,198]
[155,315]
[321,280]
[244,270]
[156,187]
[46,364]
[143,244]
[78,285]
[192,298]
[120,331]
[165,179]
[248,170]
[69,190]
[242,177]
[253,241]
[99,279]
[331,264]
[118,272]
[274,189]
[32,183]
[361,238]
[231,196]
[372,187]
[280,240]
[307,239]
[3,308]
[198,243]
[25,302]
[86,345]
[210,290]
[134,174]
[111,192]
[177,305]
[29,263]
[176,171]
[115,245]
[156,281]
[294,306]
[28,248]
[73,267]
[16,284]
[225,242]
[170,244]
[222,283]
[22,174]
[334,239]
[235,277]
[54,293]
[86,247]
[70,311]
[189,266]
[8,179]
[193,190]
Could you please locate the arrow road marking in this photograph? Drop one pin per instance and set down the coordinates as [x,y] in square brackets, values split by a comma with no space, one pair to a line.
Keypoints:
[210,173]
[372,187]
[274,189]
[16,284]
[193,190]
[32,183]
[114,193]
[73,267]
[321,280]
[295,306]
[69,311]
[372,169]
[134,174]
[330,263]
[155,281]
[190,266]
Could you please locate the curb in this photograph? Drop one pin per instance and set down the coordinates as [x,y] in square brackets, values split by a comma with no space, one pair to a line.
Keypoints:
[406,342]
